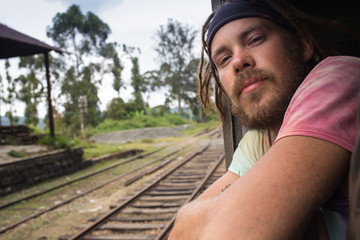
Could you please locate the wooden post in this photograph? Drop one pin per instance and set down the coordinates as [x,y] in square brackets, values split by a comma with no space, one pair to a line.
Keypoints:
[50,110]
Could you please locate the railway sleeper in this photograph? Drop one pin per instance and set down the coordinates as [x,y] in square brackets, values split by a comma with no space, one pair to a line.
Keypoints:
[156,205]
[191,174]
[164,198]
[184,181]
[172,185]
[132,226]
[122,237]
[125,226]
[185,178]
[157,194]
[173,189]
[149,211]
[141,218]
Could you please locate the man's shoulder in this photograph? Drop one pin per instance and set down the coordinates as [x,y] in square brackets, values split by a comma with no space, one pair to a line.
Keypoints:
[333,69]
[338,61]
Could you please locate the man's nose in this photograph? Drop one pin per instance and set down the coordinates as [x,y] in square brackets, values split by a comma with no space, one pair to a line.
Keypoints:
[242,61]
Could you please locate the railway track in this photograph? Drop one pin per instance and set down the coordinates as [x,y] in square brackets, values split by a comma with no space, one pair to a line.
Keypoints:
[151,212]
[134,176]
[147,165]
[11,203]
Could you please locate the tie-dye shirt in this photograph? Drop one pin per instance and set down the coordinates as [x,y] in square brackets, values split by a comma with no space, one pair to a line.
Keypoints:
[325,107]
[325,104]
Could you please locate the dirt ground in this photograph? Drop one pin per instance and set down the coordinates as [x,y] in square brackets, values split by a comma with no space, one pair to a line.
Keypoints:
[138,134]
[28,149]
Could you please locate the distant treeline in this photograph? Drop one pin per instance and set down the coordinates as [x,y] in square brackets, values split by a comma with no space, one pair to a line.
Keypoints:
[5,122]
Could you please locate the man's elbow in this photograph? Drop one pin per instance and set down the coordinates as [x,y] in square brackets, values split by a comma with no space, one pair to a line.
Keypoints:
[190,220]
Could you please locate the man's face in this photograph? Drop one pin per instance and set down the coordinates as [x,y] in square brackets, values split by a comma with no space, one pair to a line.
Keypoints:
[260,68]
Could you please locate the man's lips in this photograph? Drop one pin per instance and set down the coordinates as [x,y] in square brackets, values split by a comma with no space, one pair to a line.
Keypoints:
[250,85]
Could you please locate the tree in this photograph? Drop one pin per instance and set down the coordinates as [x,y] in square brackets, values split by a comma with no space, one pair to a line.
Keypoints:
[31,87]
[116,109]
[137,82]
[190,89]
[116,70]
[174,47]
[109,51]
[84,36]
[11,96]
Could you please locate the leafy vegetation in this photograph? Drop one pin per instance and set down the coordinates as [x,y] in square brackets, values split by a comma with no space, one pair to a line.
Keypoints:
[84,35]
[58,142]
[175,43]
[11,95]
[17,154]
[140,120]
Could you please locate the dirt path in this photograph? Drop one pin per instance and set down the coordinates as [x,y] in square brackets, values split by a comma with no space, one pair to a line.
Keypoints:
[29,150]
[138,134]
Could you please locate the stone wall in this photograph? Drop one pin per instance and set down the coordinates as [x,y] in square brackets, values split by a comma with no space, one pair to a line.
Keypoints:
[20,134]
[25,172]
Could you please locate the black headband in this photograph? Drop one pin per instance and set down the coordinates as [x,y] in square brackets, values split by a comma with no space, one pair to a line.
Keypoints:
[242,9]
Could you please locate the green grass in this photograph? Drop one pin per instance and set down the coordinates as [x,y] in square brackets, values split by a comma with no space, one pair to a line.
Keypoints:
[199,127]
[57,142]
[141,121]
[92,150]
[17,154]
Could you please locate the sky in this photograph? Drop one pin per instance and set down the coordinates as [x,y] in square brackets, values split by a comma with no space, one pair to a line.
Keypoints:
[132,22]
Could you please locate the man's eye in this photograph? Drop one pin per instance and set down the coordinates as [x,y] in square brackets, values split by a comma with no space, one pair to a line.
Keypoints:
[223,60]
[257,40]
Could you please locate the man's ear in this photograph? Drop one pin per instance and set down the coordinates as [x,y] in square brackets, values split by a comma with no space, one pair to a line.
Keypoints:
[308,48]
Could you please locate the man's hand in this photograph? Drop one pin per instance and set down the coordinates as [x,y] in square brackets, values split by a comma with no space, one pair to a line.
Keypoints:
[191,218]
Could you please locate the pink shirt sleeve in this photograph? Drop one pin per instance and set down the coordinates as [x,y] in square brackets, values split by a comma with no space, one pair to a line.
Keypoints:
[325,104]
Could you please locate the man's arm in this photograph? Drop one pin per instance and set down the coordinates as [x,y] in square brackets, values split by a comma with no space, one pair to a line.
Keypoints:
[275,199]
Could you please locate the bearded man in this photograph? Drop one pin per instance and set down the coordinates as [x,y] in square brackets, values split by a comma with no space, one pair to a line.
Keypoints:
[288,177]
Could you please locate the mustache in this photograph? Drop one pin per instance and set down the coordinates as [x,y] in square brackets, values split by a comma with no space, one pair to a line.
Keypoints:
[257,74]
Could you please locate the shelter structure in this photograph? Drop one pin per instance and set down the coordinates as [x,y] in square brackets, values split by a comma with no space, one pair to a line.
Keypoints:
[16,44]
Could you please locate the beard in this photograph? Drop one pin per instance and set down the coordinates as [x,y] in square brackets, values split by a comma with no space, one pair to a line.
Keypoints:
[254,112]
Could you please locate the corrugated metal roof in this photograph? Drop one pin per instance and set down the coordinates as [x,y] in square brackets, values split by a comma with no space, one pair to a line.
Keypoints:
[14,43]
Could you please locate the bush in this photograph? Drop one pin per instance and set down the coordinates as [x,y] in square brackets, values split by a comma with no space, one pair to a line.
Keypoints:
[140,120]
[10,140]
[17,154]
[34,129]
[147,140]
[58,142]
[175,119]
